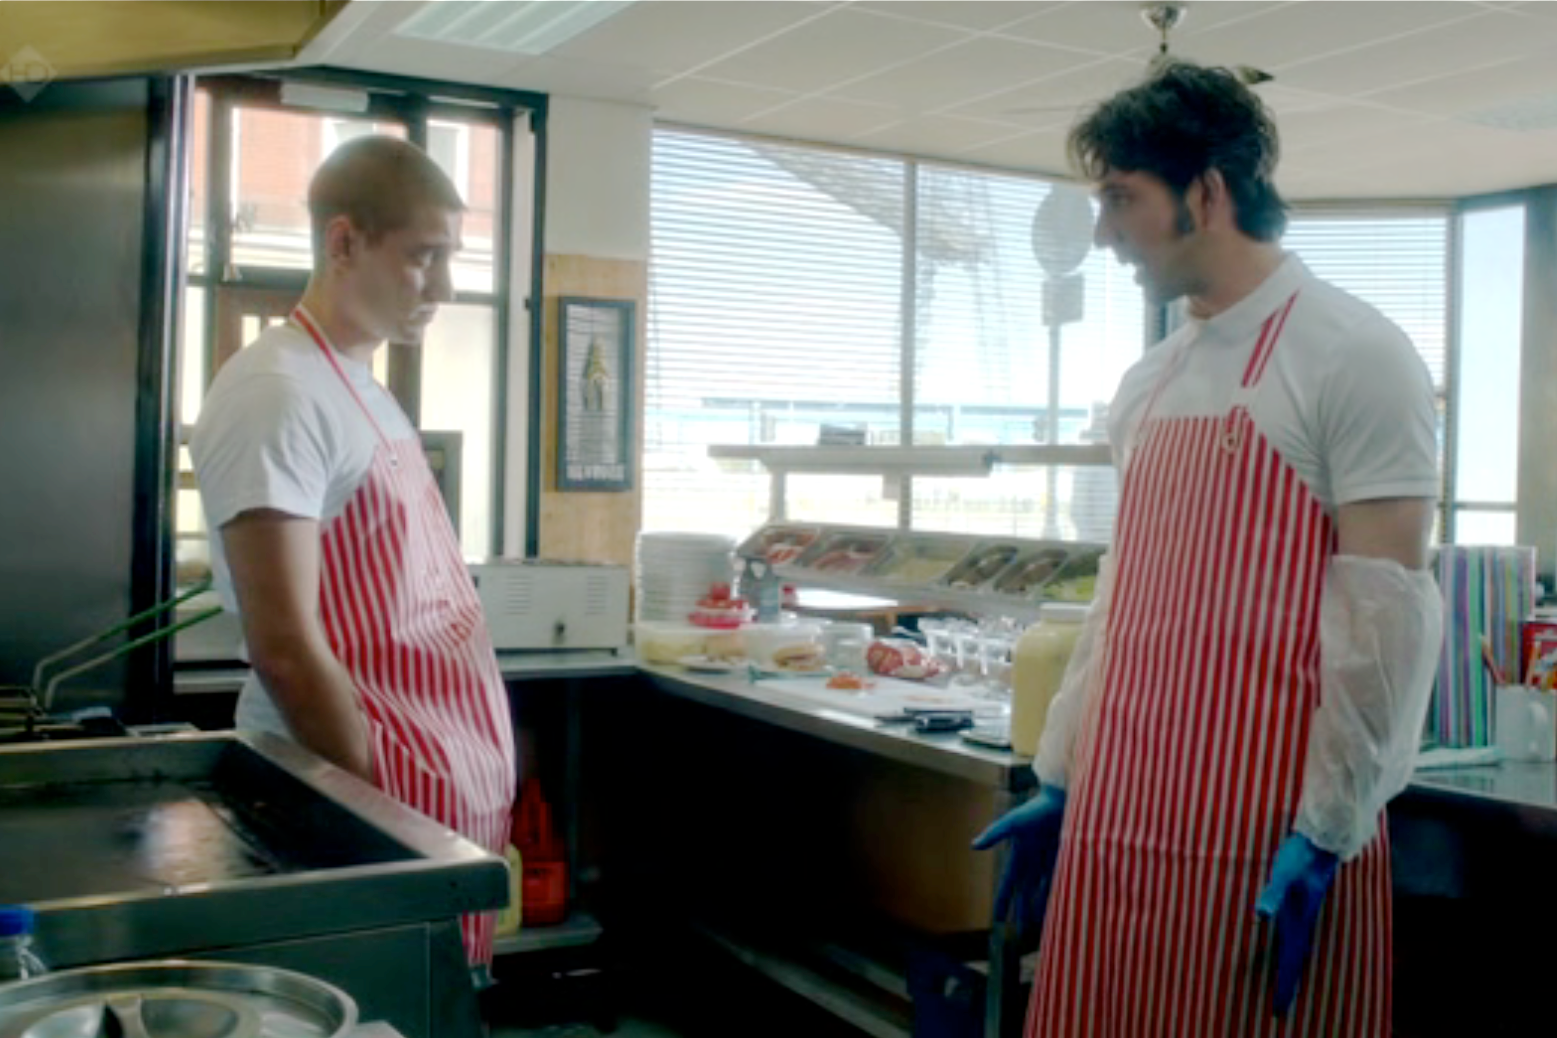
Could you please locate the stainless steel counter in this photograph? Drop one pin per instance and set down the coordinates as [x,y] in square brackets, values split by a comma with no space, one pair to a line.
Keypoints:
[1515,785]
[945,753]
[516,666]
[1521,785]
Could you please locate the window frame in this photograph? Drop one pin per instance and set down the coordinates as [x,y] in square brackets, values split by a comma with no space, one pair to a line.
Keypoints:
[1157,321]
[413,103]
[1444,396]
[906,402]
[1530,428]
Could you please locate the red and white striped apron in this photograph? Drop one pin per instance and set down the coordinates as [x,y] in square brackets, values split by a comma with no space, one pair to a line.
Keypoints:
[1189,761]
[402,615]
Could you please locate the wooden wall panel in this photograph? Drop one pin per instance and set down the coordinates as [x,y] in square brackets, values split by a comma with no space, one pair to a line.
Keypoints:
[590,526]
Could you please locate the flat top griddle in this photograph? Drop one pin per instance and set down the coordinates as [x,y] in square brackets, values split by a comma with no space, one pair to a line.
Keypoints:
[137,847]
[126,837]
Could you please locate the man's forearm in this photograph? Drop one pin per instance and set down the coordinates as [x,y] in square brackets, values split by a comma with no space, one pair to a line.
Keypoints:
[315,695]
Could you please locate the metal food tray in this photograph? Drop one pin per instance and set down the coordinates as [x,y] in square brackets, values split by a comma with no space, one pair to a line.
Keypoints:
[757,545]
[834,539]
[132,848]
[975,560]
[948,549]
[1002,584]
[1082,563]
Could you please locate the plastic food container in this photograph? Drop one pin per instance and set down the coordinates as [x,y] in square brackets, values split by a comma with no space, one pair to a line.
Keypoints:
[667,643]
[1031,571]
[785,648]
[982,566]
[1038,665]
[918,560]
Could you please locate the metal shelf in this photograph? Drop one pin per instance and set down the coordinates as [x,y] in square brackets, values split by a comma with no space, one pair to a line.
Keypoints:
[978,603]
[914,461]
[577,931]
[866,1004]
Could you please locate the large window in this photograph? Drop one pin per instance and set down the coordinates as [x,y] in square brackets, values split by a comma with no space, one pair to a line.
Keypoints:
[1402,261]
[1489,326]
[249,254]
[783,299]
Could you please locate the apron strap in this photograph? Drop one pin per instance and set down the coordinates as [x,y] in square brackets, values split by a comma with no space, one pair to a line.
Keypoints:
[304,320]
[1243,396]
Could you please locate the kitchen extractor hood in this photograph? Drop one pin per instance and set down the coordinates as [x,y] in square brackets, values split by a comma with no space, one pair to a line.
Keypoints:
[43,41]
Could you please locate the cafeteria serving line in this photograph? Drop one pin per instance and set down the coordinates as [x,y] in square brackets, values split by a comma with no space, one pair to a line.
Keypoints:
[904,519]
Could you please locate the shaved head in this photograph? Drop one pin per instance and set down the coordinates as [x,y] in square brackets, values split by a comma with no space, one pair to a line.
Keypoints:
[379,183]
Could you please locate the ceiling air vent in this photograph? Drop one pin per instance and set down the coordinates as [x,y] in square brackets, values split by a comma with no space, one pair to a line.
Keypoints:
[514,28]
[1526,115]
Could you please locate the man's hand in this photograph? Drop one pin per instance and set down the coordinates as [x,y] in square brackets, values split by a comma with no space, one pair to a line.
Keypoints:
[274,559]
[1298,883]
[1034,832]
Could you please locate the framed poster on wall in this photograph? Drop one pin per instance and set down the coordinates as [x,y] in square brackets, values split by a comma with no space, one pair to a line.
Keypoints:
[595,393]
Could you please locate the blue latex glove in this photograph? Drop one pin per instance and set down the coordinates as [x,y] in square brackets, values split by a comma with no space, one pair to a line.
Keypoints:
[1298,883]
[1034,832]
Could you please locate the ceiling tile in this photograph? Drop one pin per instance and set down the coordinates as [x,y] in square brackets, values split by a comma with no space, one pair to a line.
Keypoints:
[1058,99]
[671,36]
[1306,31]
[579,79]
[978,15]
[1429,143]
[710,102]
[1041,151]
[1409,136]
[935,135]
[824,120]
[1284,100]
[432,59]
[1458,165]
[1475,90]
[1434,52]
[1118,28]
[1203,16]
[981,66]
[1301,131]
[1322,184]
[843,45]
[1099,27]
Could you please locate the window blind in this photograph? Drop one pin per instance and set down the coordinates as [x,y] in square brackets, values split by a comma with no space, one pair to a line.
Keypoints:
[775,294]
[982,356]
[1396,261]
[777,287]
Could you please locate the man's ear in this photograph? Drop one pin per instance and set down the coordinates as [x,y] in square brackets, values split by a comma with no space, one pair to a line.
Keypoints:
[340,240]
[1216,202]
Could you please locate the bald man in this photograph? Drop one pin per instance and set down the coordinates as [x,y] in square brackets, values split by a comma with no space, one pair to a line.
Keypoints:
[367,641]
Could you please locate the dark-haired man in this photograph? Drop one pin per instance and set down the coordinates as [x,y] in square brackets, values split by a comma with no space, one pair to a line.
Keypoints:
[331,540]
[1250,688]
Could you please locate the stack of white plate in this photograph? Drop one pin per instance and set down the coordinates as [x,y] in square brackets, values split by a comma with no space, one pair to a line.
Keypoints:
[673,570]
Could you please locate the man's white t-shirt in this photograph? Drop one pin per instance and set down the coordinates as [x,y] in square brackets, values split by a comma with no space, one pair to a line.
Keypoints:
[1345,399]
[280,430]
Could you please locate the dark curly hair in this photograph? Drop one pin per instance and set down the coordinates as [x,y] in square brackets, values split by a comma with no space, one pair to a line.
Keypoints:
[1180,124]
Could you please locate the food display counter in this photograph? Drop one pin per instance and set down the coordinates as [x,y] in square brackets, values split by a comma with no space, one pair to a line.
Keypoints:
[984,576]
